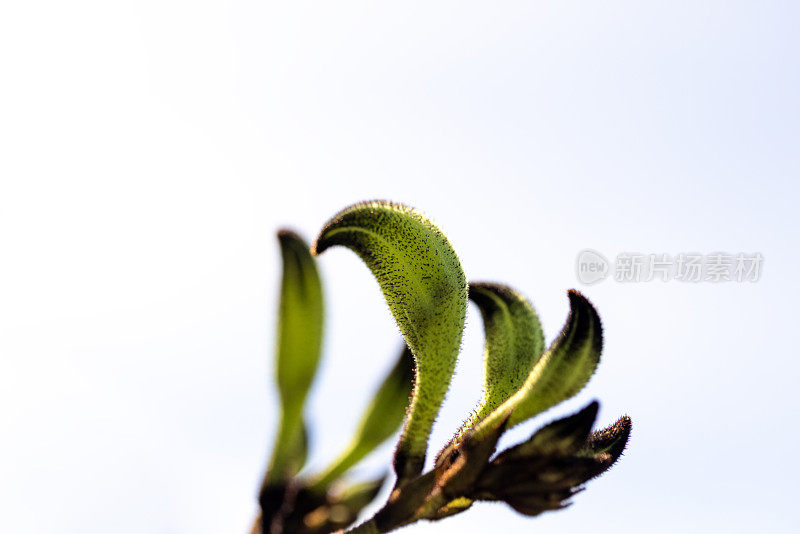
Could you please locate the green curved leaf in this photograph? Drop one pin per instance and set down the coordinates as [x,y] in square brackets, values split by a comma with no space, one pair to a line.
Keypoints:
[300,318]
[562,371]
[514,343]
[380,421]
[425,288]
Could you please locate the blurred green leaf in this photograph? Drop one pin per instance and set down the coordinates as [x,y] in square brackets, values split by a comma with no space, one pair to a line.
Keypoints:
[562,371]
[425,288]
[514,343]
[357,496]
[380,421]
[300,318]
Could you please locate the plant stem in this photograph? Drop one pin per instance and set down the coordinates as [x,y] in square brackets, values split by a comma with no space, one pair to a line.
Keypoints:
[407,504]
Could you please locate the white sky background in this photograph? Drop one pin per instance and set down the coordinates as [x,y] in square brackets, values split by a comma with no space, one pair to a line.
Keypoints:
[149,151]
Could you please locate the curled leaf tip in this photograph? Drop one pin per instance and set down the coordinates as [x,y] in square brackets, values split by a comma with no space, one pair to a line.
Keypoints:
[569,363]
[325,238]
[588,324]
[612,439]
[288,233]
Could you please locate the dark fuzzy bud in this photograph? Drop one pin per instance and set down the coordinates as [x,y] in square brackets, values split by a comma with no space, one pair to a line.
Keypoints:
[545,471]
[608,443]
[559,438]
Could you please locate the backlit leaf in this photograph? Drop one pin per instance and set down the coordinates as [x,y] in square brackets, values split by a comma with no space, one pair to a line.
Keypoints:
[300,317]
[383,417]
[514,342]
[562,371]
[425,288]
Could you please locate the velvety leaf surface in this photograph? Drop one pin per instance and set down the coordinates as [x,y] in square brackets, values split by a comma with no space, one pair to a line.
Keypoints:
[562,371]
[424,285]
[514,342]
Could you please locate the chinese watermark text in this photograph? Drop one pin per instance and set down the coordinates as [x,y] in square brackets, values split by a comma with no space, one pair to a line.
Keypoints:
[592,267]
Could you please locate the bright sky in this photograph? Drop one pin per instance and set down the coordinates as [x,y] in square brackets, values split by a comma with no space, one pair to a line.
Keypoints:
[150,150]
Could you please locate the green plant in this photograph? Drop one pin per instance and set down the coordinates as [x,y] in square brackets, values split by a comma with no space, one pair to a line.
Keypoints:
[427,292]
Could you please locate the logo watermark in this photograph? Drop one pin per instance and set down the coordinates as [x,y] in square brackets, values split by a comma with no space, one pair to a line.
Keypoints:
[592,267]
